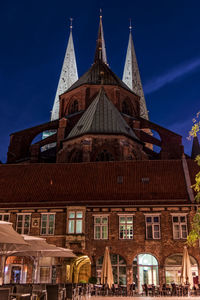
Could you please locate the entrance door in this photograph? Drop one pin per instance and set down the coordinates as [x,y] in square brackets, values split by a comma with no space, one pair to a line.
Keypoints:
[15,274]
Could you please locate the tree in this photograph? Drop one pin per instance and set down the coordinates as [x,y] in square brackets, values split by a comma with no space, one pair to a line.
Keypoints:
[194,234]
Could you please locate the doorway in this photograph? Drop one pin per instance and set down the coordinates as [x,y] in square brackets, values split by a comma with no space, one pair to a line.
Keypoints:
[16,272]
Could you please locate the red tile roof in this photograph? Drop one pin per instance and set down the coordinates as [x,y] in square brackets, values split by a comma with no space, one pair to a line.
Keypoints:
[94,183]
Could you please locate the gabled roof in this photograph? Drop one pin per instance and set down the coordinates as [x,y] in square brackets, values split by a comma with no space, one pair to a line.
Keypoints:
[99,73]
[101,117]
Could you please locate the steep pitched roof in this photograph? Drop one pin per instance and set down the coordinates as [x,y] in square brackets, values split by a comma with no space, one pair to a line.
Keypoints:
[99,73]
[68,75]
[131,76]
[195,147]
[101,117]
[94,184]
[100,53]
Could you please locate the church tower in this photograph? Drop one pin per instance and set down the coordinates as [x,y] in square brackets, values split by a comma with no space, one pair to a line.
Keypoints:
[68,75]
[131,76]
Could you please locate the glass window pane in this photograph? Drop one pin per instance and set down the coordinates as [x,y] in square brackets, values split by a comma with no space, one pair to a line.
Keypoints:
[20,217]
[97,232]
[175,219]
[122,219]
[78,226]
[148,219]
[182,219]
[113,258]
[156,219]
[71,226]
[1,217]
[104,220]
[104,232]
[129,220]
[51,218]
[79,214]
[149,232]
[72,215]
[6,217]
[97,220]
[44,217]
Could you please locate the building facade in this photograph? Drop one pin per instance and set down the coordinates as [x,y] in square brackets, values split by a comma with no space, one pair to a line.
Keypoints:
[101,183]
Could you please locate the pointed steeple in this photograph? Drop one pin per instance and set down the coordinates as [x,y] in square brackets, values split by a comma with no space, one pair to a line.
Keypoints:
[100,52]
[131,76]
[195,147]
[68,76]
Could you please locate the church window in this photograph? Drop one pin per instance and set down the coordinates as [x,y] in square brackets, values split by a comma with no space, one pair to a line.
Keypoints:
[104,156]
[47,223]
[179,222]
[23,223]
[125,227]
[74,107]
[100,227]
[126,108]
[4,217]
[75,222]
[152,226]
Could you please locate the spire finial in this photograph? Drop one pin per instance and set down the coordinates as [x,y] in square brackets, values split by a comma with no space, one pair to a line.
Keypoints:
[71,26]
[100,13]
[130,25]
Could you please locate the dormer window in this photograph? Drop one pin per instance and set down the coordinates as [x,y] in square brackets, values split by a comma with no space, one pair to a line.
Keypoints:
[73,107]
[126,109]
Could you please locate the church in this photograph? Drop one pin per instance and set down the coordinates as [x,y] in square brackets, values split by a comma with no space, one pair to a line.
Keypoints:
[102,175]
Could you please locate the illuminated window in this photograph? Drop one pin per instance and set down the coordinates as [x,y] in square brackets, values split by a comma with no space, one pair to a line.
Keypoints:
[100,227]
[179,222]
[47,224]
[75,222]
[126,227]
[5,217]
[152,226]
[23,223]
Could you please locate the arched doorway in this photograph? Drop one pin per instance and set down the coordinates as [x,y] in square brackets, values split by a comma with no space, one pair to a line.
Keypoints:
[118,267]
[81,269]
[145,270]
[173,264]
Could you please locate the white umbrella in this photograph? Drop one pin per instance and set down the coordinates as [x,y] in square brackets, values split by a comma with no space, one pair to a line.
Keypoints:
[38,247]
[106,273]
[9,241]
[186,272]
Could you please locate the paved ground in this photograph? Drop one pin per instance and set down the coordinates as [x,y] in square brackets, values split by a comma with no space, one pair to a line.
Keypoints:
[143,298]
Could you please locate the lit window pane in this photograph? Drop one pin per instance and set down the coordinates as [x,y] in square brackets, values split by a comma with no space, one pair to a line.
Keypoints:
[97,232]
[104,232]
[79,226]
[97,220]
[79,214]
[71,226]
[72,215]
[104,220]
[129,219]
[122,219]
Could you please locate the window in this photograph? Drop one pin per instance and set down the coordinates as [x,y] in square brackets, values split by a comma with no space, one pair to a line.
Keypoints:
[126,108]
[23,223]
[5,217]
[118,268]
[152,226]
[47,224]
[104,156]
[179,226]
[75,222]
[125,227]
[101,227]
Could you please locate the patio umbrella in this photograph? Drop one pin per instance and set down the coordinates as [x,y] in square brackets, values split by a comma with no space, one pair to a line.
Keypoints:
[107,274]
[38,247]
[9,241]
[186,273]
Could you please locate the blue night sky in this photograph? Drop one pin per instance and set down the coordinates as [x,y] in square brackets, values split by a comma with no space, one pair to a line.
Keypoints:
[34,36]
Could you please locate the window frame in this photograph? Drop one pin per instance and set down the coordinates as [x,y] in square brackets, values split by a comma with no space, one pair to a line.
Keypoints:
[101,225]
[126,216]
[3,215]
[75,219]
[23,221]
[179,224]
[47,225]
[152,224]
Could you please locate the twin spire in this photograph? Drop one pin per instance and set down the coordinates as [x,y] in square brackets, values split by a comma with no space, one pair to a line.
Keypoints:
[69,73]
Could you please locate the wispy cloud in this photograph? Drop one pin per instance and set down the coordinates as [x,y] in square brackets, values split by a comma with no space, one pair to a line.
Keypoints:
[173,74]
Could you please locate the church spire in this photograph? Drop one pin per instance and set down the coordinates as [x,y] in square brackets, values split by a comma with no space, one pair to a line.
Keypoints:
[68,76]
[131,75]
[100,52]
[195,147]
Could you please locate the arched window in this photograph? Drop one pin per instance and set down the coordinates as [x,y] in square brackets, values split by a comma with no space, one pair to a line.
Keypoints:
[173,265]
[126,108]
[104,156]
[73,107]
[118,267]
[145,270]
